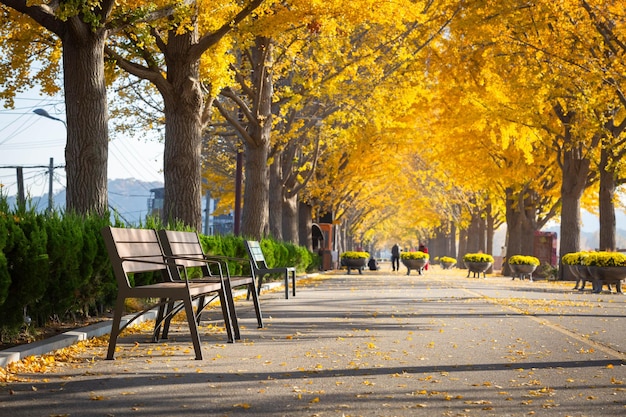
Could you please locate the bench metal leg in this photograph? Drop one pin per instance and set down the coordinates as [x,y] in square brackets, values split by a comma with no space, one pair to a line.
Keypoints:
[230,312]
[257,304]
[115,326]
[225,302]
[286,285]
[193,327]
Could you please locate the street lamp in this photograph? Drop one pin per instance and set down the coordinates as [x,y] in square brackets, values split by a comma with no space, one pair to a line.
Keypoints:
[43,113]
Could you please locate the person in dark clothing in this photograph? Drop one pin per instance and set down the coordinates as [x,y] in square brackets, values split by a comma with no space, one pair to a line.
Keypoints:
[372,264]
[395,257]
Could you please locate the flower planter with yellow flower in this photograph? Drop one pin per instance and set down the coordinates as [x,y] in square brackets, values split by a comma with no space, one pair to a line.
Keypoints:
[523,266]
[414,260]
[354,260]
[447,262]
[477,263]
[574,263]
[606,268]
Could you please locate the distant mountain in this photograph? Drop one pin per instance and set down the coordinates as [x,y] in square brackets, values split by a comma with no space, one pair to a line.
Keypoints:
[127,197]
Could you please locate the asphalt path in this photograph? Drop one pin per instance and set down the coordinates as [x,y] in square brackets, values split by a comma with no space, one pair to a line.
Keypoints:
[377,344]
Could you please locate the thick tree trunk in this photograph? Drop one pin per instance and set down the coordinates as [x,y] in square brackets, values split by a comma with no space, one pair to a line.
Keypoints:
[606,204]
[183,100]
[182,168]
[255,214]
[86,152]
[575,170]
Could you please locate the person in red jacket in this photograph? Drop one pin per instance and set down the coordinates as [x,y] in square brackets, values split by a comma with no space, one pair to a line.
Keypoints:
[423,248]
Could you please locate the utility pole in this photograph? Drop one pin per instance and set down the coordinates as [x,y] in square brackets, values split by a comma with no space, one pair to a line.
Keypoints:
[51,178]
[21,199]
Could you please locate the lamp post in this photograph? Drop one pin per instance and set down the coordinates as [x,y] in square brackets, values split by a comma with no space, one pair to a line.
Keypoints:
[44,113]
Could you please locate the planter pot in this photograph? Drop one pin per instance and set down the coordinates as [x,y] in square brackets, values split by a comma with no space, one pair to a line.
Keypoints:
[417,264]
[607,275]
[579,276]
[358,264]
[583,275]
[477,268]
[522,271]
[447,265]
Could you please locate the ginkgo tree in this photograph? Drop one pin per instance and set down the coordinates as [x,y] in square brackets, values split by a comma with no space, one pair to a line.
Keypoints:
[525,67]
[356,54]
[172,55]
[73,35]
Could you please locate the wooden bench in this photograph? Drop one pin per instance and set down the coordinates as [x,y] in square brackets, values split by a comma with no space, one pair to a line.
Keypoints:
[139,250]
[186,250]
[260,269]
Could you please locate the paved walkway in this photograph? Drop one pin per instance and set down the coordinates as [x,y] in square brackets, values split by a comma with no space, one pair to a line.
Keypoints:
[375,344]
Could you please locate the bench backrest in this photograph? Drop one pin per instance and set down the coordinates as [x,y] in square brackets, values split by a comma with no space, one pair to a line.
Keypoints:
[257,259]
[140,244]
[183,245]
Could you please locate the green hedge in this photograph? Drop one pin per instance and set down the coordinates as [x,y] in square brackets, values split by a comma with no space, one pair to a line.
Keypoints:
[55,266]
[276,253]
[52,266]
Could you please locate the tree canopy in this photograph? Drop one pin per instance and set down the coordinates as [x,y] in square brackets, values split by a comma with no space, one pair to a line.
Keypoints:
[399,118]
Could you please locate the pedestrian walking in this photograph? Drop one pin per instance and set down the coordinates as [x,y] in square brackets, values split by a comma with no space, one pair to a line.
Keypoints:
[395,257]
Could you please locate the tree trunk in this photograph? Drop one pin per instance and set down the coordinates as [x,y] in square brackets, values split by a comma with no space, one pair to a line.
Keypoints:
[255,214]
[463,233]
[452,241]
[86,151]
[276,200]
[305,224]
[513,224]
[290,219]
[489,231]
[183,101]
[575,170]
[474,240]
[606,204]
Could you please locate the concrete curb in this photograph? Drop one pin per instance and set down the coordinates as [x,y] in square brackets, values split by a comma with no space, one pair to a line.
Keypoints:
[60,341]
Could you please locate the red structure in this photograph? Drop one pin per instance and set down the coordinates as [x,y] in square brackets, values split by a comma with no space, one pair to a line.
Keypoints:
[545,248]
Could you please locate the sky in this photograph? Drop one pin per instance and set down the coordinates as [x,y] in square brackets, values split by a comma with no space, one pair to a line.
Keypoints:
[27,139]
